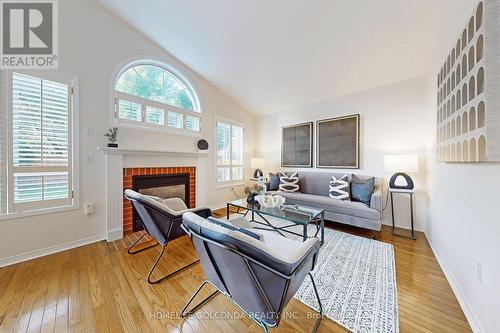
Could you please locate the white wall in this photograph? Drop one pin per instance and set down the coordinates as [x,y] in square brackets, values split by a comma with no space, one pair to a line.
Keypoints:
[464,211]
[93,43]
[393,120]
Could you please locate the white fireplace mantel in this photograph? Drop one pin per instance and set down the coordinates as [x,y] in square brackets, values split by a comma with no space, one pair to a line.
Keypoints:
[125,151]
[114,178]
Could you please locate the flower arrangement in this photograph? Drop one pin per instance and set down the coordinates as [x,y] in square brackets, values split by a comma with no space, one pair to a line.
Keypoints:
[112,136]
[252,191]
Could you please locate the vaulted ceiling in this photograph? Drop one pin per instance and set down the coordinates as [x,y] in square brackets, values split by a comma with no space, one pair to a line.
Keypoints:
[271,55]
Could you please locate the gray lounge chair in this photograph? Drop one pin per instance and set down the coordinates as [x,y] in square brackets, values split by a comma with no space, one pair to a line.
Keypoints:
[162,219]
[259,271]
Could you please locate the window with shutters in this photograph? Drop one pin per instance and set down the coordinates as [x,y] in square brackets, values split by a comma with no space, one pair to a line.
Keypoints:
[152,95]
[37,143]
[229,144]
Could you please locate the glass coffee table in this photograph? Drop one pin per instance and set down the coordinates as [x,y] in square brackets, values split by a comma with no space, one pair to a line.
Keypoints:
[297,215]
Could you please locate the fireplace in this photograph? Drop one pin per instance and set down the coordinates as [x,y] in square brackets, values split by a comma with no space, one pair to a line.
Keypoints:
[161,182]
[162,186]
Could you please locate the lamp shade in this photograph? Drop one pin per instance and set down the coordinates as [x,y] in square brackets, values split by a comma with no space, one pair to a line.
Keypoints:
[401,163]
[257,163]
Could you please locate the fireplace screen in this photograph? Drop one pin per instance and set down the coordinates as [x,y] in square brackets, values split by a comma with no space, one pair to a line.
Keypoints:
[165,192]
[162,186]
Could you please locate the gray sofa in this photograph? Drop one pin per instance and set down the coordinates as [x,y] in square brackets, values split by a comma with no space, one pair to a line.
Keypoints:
[314,188]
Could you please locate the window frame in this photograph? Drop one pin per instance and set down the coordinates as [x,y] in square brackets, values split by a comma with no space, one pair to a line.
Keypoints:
[230,183]
[10,211]
[115,120]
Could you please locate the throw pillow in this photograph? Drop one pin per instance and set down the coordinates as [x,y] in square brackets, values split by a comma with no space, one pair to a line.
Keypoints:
[289,182]
[274,182]
[339,188]
[229,226]
[362,189]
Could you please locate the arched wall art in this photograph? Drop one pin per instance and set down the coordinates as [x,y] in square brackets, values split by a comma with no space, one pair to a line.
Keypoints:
[468,109]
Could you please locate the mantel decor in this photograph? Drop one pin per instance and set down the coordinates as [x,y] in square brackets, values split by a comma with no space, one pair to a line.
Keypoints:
[468,116]
[297,145]
[338,142]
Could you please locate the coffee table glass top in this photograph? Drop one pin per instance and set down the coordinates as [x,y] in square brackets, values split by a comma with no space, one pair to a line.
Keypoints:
[298,214]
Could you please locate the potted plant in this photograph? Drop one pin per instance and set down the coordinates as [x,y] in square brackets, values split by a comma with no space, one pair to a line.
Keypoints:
[112,136]
[252,192]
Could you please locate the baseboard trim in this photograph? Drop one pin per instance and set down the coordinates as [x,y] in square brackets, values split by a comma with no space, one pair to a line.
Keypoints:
[114,235]
[49,250]
[462,300]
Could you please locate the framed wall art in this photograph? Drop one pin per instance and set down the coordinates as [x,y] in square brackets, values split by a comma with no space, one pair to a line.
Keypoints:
[297,145]
[338,142]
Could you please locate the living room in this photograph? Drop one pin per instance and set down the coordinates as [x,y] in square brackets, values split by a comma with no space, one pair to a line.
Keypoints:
[259,140]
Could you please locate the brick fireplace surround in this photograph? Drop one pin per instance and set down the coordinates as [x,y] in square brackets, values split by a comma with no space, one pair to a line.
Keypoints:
[128,173]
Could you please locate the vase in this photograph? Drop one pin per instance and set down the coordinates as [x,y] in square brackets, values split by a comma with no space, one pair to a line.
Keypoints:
[251,199]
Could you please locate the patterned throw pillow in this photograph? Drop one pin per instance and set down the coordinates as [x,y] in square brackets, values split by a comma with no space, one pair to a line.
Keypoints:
[340,189]
[289,182]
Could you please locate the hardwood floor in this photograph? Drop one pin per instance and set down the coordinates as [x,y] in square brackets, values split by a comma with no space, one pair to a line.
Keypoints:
[101,288]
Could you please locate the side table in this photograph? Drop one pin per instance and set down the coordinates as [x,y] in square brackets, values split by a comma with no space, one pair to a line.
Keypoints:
[410,194]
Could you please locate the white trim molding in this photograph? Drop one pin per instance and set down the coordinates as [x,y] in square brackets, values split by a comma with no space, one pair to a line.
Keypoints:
[457,290]
[49,250]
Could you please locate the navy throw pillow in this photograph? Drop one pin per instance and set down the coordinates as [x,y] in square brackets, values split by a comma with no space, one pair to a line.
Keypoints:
[362,189]
[274,182]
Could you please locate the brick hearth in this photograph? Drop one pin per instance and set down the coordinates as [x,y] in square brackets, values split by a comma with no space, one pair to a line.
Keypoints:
[128,173]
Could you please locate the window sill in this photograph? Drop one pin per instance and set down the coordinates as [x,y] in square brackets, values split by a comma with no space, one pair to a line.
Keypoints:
[229,185]
[36,212]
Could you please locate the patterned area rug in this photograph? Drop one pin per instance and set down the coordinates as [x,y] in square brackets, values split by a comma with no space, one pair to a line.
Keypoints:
[356,281]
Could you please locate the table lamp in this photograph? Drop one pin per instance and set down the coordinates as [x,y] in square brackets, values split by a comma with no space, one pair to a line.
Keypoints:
[400,164]
[257,163]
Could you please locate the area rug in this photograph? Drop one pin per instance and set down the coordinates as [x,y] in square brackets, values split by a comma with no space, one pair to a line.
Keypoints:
[356,281]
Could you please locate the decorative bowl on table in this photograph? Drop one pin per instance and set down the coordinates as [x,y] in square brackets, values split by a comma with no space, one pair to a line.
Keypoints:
[270,201]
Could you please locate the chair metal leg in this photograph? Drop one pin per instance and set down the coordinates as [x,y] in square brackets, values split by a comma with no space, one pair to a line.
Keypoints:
[200,304]
[319,302]
[130,251]
[163,247]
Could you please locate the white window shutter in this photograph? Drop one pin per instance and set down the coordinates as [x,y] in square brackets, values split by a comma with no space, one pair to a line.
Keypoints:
[3,169]
[229,146]
[41,142]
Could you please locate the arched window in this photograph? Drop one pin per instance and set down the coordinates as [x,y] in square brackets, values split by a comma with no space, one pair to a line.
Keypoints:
[464,95]
[472,119]
[479,16]
[480,81]
[453,81]
[465,123]
[481,146]
[472,54]
[459,99]
[464,66]
[151,94]
[472,88]
[465,151]
[464,39]
[481,114]
[459,75]
[471,29]
[473,150]
[479,48]
[459,126]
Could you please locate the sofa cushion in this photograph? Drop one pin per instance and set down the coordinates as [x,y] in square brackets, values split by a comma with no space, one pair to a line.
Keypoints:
[353,208]
[289,182]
